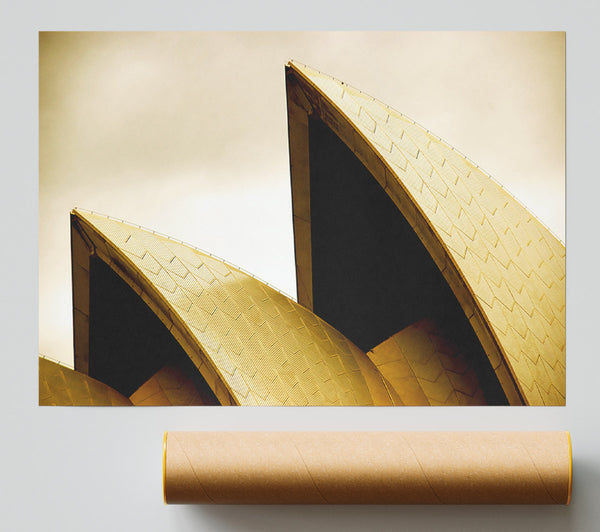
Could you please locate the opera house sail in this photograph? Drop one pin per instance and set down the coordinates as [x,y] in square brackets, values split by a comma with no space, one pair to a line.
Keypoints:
[420,281]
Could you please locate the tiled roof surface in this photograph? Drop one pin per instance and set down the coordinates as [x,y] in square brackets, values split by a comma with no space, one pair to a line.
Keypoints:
[62,386]
[512,265]
[425,369]
[169,386]
[265,348]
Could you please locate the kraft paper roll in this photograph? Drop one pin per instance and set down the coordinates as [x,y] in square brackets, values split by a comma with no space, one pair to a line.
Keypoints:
[367,467]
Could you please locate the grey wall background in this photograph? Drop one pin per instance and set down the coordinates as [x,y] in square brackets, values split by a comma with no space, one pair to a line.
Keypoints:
[99,469]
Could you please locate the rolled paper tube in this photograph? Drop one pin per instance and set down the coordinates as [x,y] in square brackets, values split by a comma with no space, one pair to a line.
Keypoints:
[367,467]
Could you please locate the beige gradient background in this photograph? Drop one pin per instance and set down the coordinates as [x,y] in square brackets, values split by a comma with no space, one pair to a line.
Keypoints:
[186,133]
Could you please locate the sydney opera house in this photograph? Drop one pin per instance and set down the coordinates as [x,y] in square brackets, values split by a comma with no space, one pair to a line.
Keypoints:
[420,281]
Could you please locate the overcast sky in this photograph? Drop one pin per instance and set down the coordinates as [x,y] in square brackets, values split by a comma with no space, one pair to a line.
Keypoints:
[186,133]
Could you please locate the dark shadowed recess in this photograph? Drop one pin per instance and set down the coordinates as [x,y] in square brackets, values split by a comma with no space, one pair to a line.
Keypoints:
[372,276]
[128,343]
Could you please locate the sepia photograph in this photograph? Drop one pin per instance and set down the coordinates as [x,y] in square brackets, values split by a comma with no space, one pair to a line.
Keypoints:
[302,218]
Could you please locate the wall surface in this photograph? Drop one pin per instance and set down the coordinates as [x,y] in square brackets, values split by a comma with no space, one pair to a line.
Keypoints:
[100,469]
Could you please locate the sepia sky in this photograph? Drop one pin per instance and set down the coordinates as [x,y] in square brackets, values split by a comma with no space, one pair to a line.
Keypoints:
[186,133]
